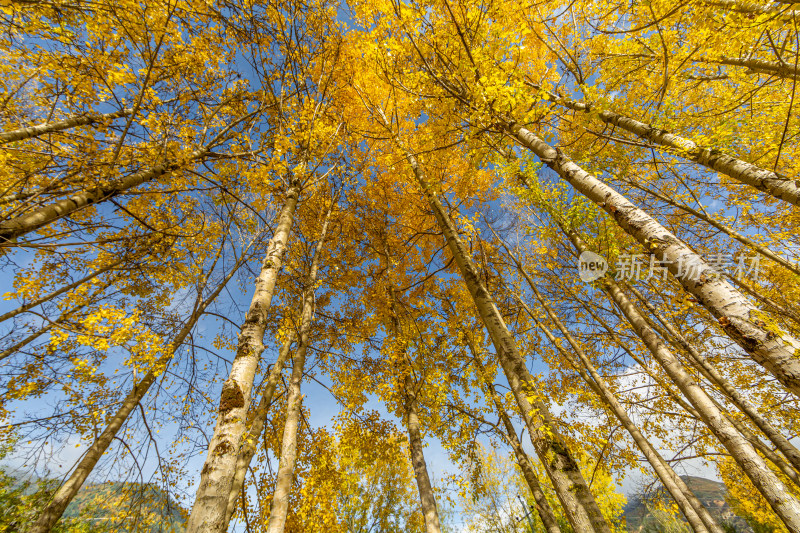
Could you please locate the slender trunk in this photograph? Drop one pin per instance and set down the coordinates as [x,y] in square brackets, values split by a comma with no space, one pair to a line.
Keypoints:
[713,375]
[724,228]
[698,516]
[426,496]
[279,508]
[578,502]
[764,180]
[773,489]
[67,491]
[774,458]
[257,421]
[21,309]
[23,224]
[531,479]
[775,350]
[216,478]
[408,392]
[60,125]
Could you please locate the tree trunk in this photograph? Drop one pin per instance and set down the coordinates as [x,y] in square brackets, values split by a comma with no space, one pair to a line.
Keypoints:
[758,8]
[578,502]
[279,509]
[60,125]
[713,375]
[426,497]
[764,180]
[23,224]
[19,226]
[775,68]
[697,515]
[216,478]
[67,491]
[773,489]
[531,479]
[257,421]
[776,351]
[762,448]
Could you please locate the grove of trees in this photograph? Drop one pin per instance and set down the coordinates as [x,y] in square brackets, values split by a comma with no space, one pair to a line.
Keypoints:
[565,231]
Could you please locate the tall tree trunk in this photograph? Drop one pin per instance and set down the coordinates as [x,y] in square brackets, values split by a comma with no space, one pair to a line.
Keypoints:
[696,514]
[761,8]
[764,180]
[773,489]
[531,479]
[257,422]
[776,351]
[211,502]
[713,375]
[67,491]
[279,509]
[762,448]
[426,496]
[60,125]
[408,392]
[576,498]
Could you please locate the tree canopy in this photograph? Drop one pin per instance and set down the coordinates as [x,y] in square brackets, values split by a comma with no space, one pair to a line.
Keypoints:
[557,239]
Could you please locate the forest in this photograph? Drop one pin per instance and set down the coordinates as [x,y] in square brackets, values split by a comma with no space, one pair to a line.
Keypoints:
[398,265]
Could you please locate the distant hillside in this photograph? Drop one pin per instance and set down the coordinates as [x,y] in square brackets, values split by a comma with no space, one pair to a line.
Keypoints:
[712,494]
[127,507]
[98,507]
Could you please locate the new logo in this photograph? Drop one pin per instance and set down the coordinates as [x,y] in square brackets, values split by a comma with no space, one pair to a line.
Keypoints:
[591,266]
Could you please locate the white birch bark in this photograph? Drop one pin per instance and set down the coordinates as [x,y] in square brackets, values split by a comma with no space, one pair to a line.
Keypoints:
[714,376]
[426,496]
[696,514]
[576,498]
[762,448]
[764,180]
[23,224]
[771,487]
[279,508]
[257,421]
[42,216]
[408,392]
[21,134]
[727,230]
[216,478]
[772,348]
